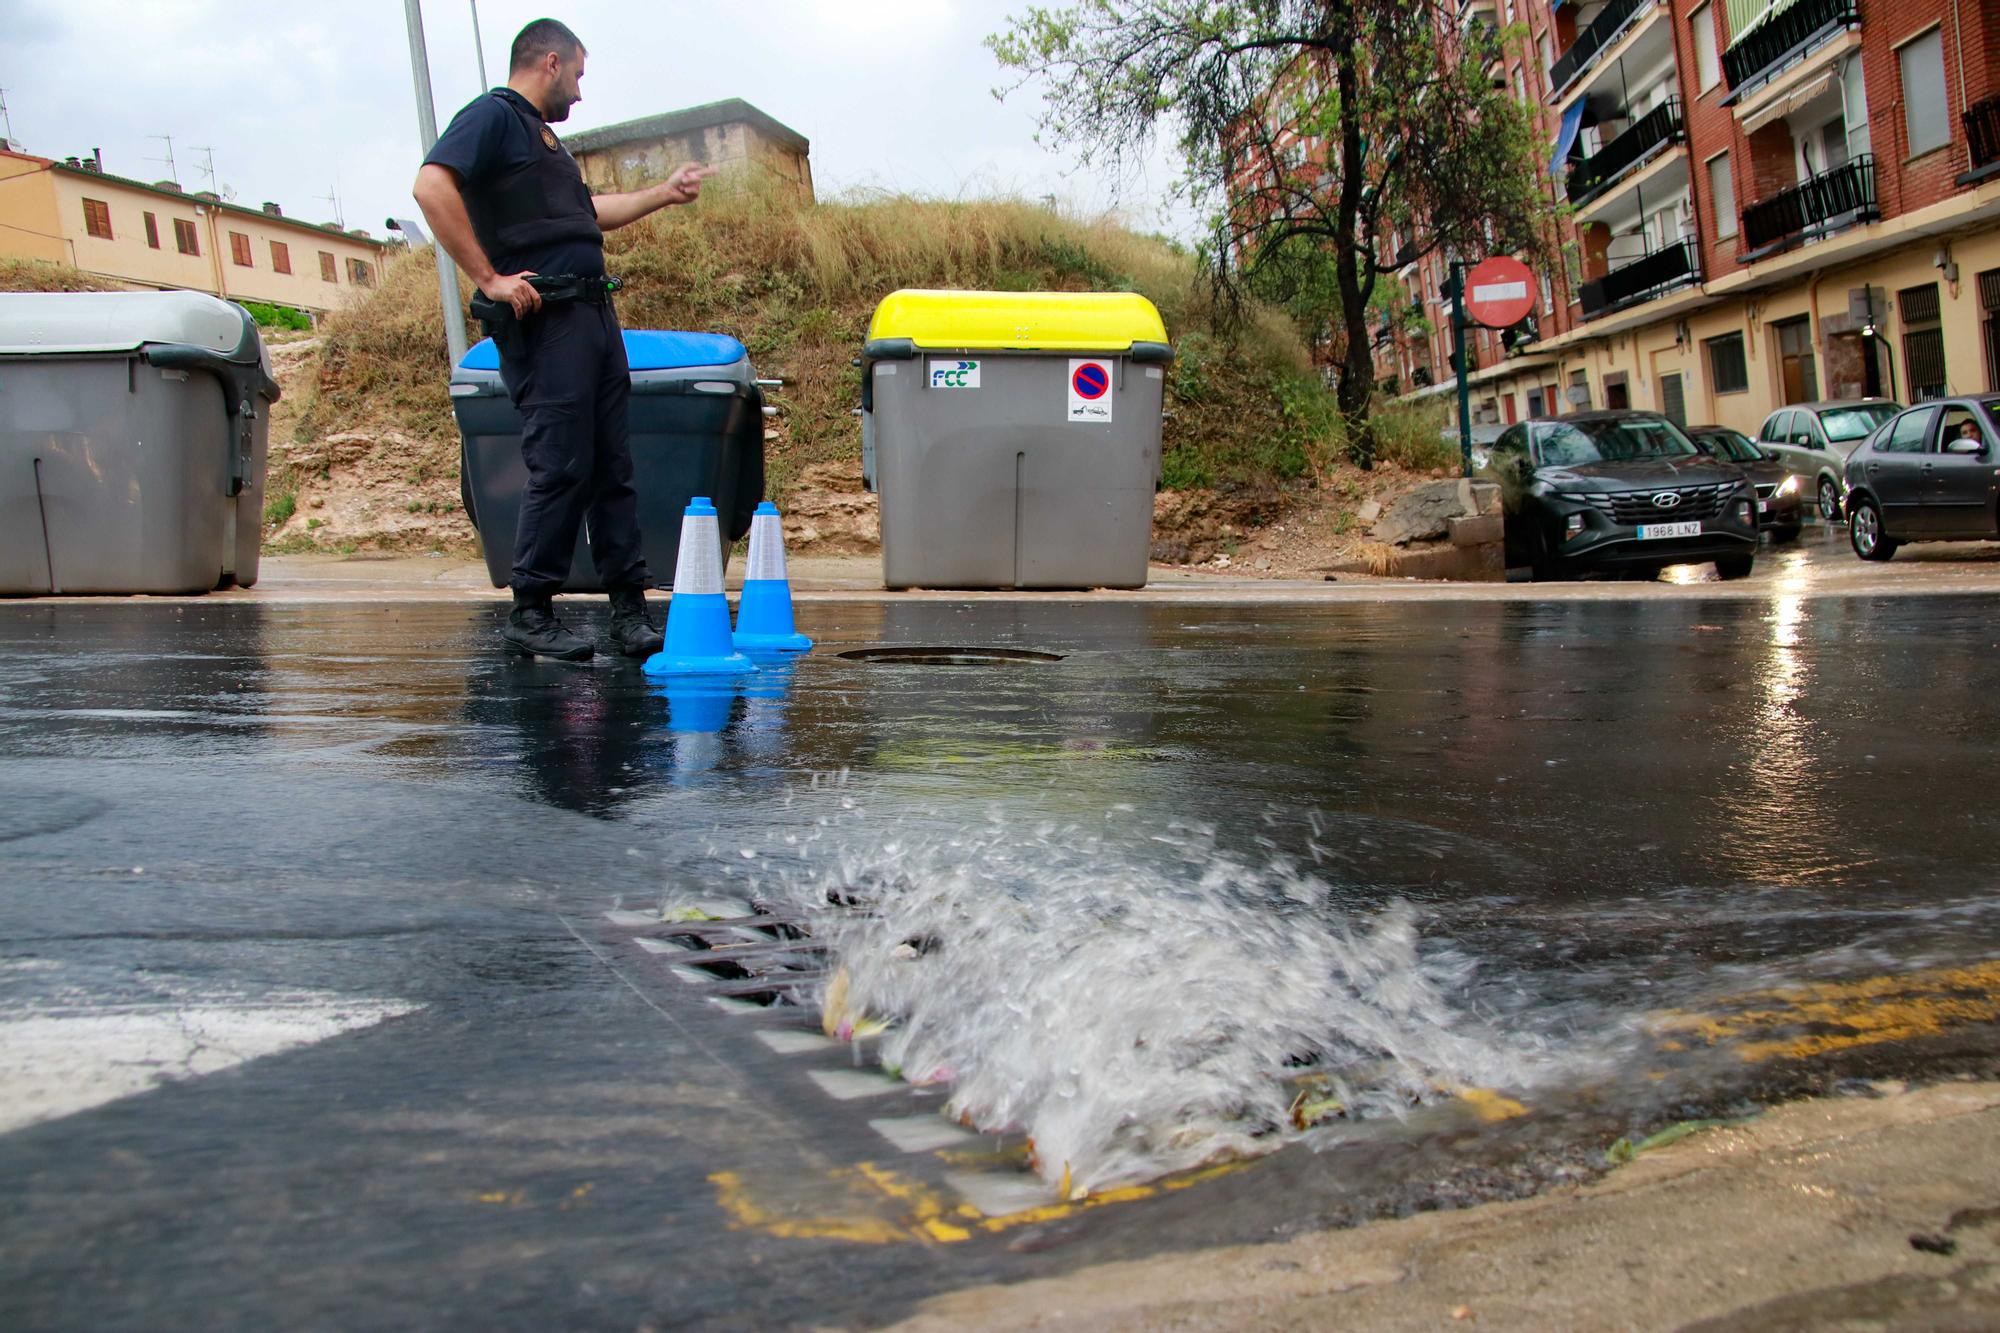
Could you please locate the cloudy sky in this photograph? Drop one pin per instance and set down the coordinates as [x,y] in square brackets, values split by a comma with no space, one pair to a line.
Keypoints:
[298,98]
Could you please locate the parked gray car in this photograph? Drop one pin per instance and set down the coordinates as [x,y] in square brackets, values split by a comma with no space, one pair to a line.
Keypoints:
[1813,441]
[1930,474]
[1778,502]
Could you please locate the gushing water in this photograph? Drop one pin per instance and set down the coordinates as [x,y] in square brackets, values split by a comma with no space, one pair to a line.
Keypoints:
[1137,1003]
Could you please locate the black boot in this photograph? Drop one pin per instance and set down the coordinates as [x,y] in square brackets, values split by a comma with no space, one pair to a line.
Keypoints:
[533,631]
[632,631]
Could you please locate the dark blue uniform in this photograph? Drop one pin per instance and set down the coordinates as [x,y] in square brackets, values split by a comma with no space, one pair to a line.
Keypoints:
[567,375]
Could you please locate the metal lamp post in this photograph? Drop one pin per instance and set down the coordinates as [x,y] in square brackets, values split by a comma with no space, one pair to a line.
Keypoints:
[420,68]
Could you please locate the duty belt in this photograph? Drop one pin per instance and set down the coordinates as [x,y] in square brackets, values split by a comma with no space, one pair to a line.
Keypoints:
[569,287]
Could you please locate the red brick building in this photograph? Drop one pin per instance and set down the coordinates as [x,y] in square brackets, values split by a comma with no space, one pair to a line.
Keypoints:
[1764,201]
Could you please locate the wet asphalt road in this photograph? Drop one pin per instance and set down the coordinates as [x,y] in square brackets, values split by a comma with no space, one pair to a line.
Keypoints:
[490,1109]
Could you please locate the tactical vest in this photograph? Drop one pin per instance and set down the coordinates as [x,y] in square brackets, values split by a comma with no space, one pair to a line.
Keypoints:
[541,203]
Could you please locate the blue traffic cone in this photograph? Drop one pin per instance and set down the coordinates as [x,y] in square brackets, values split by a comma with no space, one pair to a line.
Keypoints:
[764,615]
[698,616]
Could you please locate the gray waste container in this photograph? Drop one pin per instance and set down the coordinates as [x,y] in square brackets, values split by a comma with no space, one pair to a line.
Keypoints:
[133,427]
[1014,437]
[697,423]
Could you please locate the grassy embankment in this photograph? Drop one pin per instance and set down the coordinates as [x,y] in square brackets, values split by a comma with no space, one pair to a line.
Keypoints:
[1247,416]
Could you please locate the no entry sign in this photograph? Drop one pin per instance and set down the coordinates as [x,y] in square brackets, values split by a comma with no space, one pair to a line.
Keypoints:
[1499,292]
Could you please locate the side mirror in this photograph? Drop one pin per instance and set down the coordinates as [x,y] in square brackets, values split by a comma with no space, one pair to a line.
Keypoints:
[1962,446]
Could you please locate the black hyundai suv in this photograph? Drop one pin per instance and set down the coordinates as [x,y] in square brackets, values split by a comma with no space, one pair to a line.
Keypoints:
[1620,491]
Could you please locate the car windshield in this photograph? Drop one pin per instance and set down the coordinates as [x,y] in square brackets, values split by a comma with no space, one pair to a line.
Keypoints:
[1851,423]
[1728,444]
[1612,440]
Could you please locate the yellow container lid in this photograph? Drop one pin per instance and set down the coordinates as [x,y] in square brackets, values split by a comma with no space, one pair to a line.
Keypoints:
[1018,321]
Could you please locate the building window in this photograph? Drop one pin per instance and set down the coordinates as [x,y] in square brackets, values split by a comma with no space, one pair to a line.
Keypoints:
[1722,193]
[97,218]
[1707,61]
[1727,370]
[185,239]
[327,271]
[239,249]
[1989,302]
[152,231]
[1548,59]
[361,273]
[1923,341]
[1925,116]
[281,257]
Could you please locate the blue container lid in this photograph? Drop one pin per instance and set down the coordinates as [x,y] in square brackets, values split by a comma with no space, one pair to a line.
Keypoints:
[645,349]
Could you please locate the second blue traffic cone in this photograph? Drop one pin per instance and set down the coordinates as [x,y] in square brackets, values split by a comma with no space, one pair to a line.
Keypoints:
[764,616]
[698,616]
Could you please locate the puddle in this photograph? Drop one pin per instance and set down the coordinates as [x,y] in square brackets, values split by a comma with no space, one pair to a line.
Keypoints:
[948,656]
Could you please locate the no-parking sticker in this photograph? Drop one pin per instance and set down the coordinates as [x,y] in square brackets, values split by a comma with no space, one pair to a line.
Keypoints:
[1089,391]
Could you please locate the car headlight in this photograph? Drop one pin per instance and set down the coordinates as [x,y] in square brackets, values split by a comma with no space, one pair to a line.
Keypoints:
[1790,486]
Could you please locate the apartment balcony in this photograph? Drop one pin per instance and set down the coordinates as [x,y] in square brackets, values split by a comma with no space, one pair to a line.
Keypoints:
[1609,25]
[1640,141]
[1982,140]
[1678,265]
[1816,207]
[1788,32]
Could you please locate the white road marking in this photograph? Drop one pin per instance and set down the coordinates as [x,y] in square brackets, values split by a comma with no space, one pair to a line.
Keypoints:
[921,1133]
[55,1063]
[787,1042]
[651,945]
[847,1084]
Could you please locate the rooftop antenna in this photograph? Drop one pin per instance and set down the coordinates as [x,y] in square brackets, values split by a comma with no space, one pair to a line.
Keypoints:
[173,172]
[478,49]
[6,122]
[333,197]
[208,169]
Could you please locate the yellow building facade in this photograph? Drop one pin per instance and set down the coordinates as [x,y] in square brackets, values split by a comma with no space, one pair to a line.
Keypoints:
[1845,283]
[150,236]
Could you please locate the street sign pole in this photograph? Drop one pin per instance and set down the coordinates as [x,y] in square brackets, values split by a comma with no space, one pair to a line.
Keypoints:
[1458,365]
[420,67]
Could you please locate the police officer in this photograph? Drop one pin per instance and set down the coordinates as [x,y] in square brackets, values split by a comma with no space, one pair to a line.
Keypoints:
[508,202]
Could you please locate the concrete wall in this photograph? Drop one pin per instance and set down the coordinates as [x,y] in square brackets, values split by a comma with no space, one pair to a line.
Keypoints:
[736,147]
[30,226]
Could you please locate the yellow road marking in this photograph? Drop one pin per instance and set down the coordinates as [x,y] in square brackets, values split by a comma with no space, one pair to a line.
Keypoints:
[1491,1107]
[925,1217]
[1839,1016]
[746,1214]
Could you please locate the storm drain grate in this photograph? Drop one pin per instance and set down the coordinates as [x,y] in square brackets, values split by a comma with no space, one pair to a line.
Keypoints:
[765,959]
[947,656]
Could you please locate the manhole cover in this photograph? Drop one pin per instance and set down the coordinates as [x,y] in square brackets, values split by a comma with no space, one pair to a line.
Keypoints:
[949,656]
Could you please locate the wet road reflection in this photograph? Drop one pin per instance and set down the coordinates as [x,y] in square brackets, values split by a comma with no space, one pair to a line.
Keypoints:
[1599,811]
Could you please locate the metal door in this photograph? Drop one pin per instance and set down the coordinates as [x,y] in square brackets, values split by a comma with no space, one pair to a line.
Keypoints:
[1894,469]
[1960,490]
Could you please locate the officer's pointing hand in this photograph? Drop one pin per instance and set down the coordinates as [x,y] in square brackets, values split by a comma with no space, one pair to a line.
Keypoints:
[515,290]
[684,186]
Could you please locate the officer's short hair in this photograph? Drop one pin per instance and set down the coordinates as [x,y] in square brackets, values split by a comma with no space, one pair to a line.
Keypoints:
[538,39]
